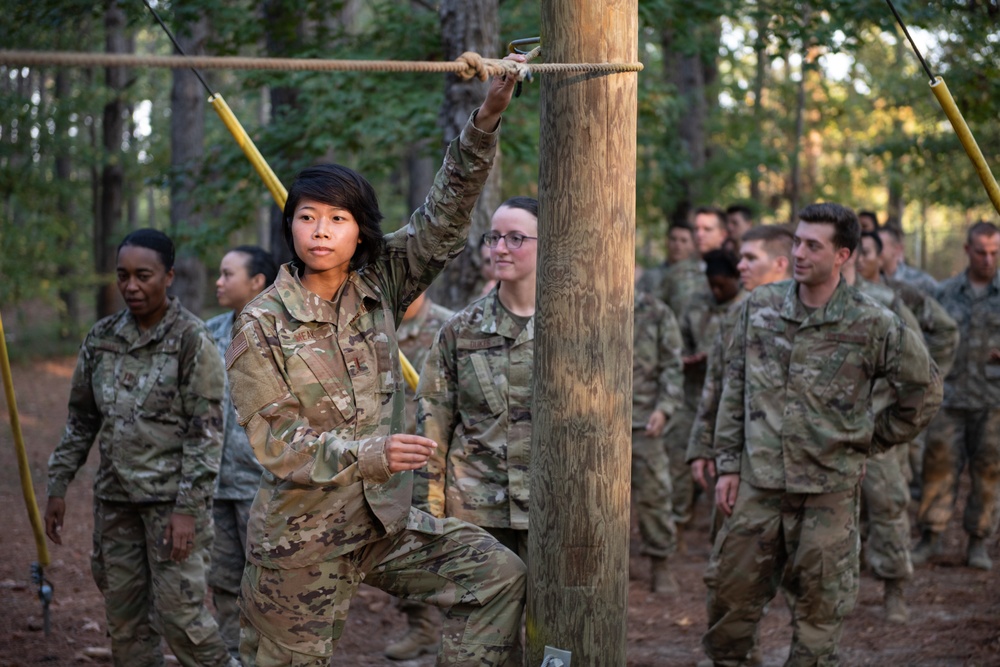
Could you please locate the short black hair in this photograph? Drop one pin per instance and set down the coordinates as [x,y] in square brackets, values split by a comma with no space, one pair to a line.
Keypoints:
[869,214]
[981,228]
[260,262]
[721,263]
[740,209]
[875,237]
[846,228]
[529,204]
[685,226]
[336,185]
[153,239]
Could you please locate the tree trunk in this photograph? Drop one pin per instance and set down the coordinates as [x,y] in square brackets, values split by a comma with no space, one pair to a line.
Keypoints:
[795,178]
[686,73]
[70,318]
[187,137]
[580,477]
[467,25]
[759,79]
[107,226]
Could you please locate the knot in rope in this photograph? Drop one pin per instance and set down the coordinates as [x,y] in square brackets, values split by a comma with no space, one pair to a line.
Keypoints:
[481,68]
[475,66]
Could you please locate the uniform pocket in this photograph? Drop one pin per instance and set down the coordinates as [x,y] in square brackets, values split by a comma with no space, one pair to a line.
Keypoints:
[478,395]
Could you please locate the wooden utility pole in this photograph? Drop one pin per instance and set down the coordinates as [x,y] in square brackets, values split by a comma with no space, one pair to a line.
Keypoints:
[581,440]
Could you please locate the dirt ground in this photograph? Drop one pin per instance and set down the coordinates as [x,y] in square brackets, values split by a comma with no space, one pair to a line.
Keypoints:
[955,611]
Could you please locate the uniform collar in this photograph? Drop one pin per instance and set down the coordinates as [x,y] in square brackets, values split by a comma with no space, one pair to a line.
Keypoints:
[793,309]
[496,320]
[127,329]
[992,287]
[307,306]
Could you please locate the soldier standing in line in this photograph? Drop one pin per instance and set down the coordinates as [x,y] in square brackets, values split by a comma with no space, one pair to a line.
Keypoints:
[884,491]
[739,220]
[893,260]
[680,246]
[317,385]
[795,426]
[657,393]
[475,393]
[967,430]
[699,325]
[685,279]
[243,274]
[868,221]
[416,334]
[939,329]
[148,388]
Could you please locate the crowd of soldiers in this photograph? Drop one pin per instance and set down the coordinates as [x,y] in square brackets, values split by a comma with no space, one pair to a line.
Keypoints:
[787,372]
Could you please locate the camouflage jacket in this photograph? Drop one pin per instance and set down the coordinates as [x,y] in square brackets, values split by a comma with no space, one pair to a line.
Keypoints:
[699,327]
[939,329]
[682,282]
[915,277]
[657,371]
[974,380]
[239,474]
[153,402]
[700,442]
[474,400]
[796,409]
[317,384]
[415,337]
[651,281]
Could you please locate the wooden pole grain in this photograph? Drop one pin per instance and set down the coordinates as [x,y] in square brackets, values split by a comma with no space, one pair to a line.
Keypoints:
[581,440]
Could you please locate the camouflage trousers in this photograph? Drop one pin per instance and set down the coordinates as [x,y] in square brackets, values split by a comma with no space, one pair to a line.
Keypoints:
[295,617]
[956,438]
[228,561]
[682,484]
[422,614]
[809,544]
[886,497]
[146,594]
[651,495]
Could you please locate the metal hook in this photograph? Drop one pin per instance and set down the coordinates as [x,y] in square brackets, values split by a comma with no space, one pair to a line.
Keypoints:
[512,47]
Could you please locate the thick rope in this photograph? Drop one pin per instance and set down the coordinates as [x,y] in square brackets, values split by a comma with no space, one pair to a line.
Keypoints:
[466,66]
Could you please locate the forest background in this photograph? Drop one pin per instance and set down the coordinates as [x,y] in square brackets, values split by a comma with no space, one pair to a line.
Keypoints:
[773,103]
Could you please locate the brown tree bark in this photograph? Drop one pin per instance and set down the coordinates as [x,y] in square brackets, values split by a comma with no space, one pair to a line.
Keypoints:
[187,137]
[68,294]
[581,436]
[107,223]
[467,25]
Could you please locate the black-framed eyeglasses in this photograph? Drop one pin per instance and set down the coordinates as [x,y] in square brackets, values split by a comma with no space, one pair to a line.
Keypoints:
[512,239]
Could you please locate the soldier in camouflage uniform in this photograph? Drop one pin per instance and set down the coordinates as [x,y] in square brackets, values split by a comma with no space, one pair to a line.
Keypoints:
[317,385]
[680,247]
[657,382]
[967,430]
[699,326]
[894,265]
[765,257]
[148,388]
[795,426]
[939,329]
[243,273]
[420,325]
[474,396]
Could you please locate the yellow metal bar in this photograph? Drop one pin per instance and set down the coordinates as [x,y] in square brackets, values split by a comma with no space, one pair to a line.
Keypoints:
[409,372]
[27,488]
[244,141]
[947,102]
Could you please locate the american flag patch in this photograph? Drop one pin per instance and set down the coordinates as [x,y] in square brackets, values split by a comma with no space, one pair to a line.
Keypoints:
[239,345]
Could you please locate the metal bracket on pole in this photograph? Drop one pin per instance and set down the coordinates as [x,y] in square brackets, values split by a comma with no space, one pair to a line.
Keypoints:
[555,657]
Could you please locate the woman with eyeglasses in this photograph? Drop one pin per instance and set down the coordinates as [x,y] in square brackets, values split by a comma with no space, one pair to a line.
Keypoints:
[474,397]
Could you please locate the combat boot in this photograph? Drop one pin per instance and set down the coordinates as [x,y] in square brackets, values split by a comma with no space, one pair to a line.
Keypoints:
[422,636]
[661,578]
[976,556]
[928,547]
[894,602]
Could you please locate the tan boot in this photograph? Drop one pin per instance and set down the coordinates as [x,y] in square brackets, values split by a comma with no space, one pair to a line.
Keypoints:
[662,579]
[976,555]
[422,636]
[894,602]
[928,547]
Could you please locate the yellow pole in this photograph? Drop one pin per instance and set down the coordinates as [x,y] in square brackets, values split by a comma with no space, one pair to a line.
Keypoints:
[27,489]
[244,141]
[943,95]
[278,190]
